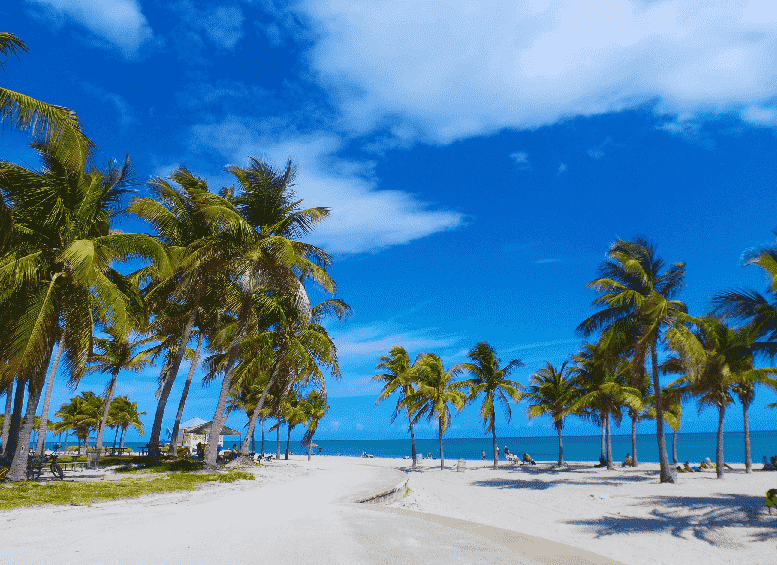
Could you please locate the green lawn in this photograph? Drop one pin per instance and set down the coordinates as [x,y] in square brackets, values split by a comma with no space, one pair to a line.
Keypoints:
[28,493]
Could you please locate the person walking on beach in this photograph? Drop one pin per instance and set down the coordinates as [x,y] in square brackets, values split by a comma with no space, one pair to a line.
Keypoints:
[484,455]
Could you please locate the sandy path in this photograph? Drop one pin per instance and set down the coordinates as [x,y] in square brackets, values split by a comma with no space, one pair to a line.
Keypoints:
[298,513]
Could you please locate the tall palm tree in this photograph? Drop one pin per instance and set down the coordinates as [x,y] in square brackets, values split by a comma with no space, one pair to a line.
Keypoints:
[60,276]
[398,378]
[123,414]
[56,124]
[715,359]
[551,391]
[636,295]
[40,449]
[7,415]
[119,353]
[315,409]
[491,382]
[436,392]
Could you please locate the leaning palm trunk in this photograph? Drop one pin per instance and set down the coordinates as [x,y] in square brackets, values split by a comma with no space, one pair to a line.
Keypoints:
[156,430]
[106,408]
[211,453]
[44,417]
[184,394]
[262,436]
[603,453]
[288,440]
[560,446]
[16,423]
[278,441]
[719,451]
[258,409]
[310,448]
[8,411]
[442,455]
[610,466]
[748,456]
[662,456]
[19,464]
[634,439]
[496,453]
[123,438]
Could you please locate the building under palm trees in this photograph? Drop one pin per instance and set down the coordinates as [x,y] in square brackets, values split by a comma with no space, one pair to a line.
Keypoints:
[196,430]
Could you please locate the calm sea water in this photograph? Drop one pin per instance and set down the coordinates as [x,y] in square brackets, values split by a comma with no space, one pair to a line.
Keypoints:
[693,447]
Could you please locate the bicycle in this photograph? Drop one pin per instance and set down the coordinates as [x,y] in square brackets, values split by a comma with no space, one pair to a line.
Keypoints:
[35,467]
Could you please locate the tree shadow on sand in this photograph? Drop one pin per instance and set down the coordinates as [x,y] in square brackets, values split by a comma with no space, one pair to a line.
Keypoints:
[702,517]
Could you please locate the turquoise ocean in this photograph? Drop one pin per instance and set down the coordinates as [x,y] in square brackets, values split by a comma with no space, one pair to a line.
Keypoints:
[693,447]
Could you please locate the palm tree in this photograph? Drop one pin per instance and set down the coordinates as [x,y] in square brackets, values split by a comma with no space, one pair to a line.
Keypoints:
[638,299]
[603,384]
[715,359]
[398,378]
[315,409]
[492,382]
[123,414]
[82,415]
[119,352]
[551,392]
[436,392]
[47,399]
[7,416]
[56,124]
[60,276]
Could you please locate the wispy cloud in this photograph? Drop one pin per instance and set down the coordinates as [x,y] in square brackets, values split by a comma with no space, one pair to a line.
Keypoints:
[561,168]
[364,219]
[223,25]
[597,152]
[375,340]
[522,160]
[123,109]
[543,261]
[120,22]
[523,65]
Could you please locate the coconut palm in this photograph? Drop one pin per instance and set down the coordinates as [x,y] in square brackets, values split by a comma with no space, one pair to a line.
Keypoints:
[715,359]
[551,391]
[81,415]
[492,383]
[603,382]
[638,299]
[60,276]
[56,124]
[118,353]
[398,378]
[436,392]
[123,414]
[7,416]
[47,399]
[315,408]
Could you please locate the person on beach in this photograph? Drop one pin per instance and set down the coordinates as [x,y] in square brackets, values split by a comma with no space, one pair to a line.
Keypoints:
[507,452]
[628,461]
[484,456]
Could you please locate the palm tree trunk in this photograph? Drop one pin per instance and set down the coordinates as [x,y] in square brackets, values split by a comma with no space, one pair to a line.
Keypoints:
[610,466]
[156,430]
[674,447]
[8,412]
[746,422]
[493,437]
[16,422]
[662,456]
[258,409]
[634,439]
[719,451]
[560,447]
[288,439]
[603,454]
[44,416]
[412,442]
[310,448]
[115,435]
[226,384]
[442,455]
[123,437]
[18,470]
[184,394]
[262,436]
[108,398]
[278,441]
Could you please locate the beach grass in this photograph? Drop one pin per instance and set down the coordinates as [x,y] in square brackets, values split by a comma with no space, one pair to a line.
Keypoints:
[28,493]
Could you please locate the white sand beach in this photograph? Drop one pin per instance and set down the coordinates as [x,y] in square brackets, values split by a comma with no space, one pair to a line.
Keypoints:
[299,511]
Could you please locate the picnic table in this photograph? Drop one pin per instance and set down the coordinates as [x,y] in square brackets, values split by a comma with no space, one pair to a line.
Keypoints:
[143,449]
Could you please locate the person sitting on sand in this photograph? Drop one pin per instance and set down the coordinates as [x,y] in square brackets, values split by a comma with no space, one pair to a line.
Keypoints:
[628,461]
[528,459]
[706,464]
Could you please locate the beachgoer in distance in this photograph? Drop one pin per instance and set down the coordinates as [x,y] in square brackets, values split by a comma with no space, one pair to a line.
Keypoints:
[628,461]
[507,451]
[484,455]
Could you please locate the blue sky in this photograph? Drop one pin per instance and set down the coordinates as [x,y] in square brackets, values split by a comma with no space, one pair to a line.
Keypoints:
[479,158]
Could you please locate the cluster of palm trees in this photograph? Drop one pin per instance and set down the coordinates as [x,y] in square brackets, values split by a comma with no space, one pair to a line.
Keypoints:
[639,318]
[226,269]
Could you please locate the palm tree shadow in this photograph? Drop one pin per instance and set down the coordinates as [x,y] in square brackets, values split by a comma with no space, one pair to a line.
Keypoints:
[701,517]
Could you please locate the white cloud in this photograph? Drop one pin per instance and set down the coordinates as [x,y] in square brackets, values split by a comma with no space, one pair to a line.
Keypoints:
[375,340]
[123,109]
[522,160]
[561,168]
[120,22]
[759,116]
[528,64]
[543,261]
[363,219]
[222,24]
